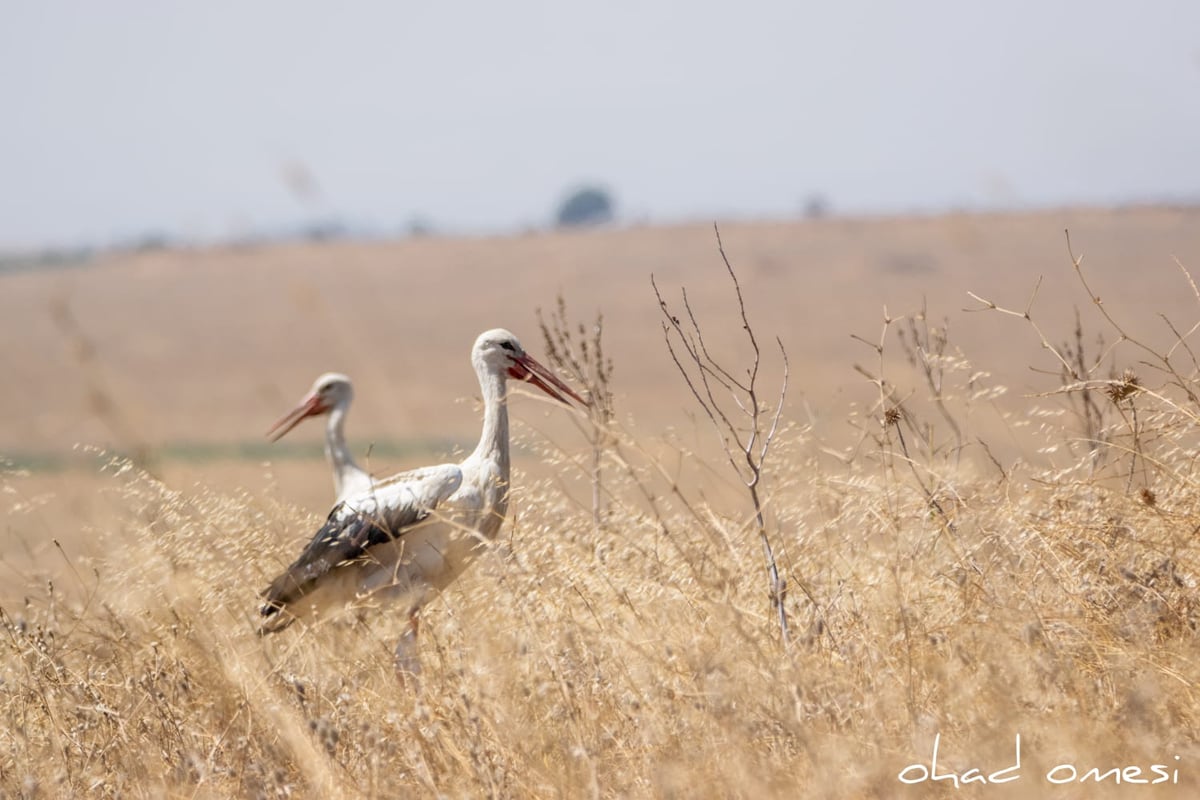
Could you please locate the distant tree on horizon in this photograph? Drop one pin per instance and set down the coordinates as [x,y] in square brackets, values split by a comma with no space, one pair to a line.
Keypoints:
[587,205]
[816,206]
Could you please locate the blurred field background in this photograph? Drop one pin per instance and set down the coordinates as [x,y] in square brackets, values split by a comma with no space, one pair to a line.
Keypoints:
[187,355]
[1049,591]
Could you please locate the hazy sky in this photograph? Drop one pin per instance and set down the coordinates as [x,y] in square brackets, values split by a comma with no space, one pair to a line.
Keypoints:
[219,118]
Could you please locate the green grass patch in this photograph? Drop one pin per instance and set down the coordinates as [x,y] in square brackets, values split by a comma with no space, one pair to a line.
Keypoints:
[50,461]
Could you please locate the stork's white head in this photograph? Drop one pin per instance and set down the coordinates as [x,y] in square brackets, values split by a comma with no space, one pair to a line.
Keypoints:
[330,391]
[499,352]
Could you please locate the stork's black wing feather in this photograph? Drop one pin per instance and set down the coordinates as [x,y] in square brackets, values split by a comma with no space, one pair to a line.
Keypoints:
[344,537]
[354,526]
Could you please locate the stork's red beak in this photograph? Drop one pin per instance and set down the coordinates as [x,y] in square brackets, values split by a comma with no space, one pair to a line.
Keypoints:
[310,406]
[526,368]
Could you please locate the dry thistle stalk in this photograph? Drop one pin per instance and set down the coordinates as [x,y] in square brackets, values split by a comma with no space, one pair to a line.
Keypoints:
[745,425]
[1124,388]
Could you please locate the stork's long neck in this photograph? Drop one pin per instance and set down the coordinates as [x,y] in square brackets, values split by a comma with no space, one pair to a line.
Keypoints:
[336,450]
[493,442]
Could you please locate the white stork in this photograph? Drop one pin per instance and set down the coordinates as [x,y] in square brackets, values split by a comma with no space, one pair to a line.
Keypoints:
[411,535]
[331,394]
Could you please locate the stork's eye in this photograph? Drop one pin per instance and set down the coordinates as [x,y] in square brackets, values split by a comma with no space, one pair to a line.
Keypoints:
[509,346]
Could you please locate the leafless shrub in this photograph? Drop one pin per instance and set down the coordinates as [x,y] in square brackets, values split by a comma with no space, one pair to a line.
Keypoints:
[744,423]
[1111,426]
[579,352]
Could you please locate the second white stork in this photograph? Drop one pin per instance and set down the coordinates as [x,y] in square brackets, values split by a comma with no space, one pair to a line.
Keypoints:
[331,394]
[411,535]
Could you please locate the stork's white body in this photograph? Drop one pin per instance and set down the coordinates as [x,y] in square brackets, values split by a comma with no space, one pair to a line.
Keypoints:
[407,537]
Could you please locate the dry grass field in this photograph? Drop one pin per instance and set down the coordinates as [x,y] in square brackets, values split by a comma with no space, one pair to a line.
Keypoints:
[987,521]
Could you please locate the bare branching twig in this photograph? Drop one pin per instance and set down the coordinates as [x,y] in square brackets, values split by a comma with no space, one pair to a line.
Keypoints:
[745,425]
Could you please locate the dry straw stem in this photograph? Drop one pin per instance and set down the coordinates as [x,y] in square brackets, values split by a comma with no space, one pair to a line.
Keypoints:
[747,439]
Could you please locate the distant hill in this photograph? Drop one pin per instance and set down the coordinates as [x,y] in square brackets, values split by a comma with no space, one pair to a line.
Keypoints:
[209,345]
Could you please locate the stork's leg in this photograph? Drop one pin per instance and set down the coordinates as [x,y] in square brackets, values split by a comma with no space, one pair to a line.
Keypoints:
[408,656]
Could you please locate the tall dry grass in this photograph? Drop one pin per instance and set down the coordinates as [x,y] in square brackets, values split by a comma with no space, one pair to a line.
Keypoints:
[944,589]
